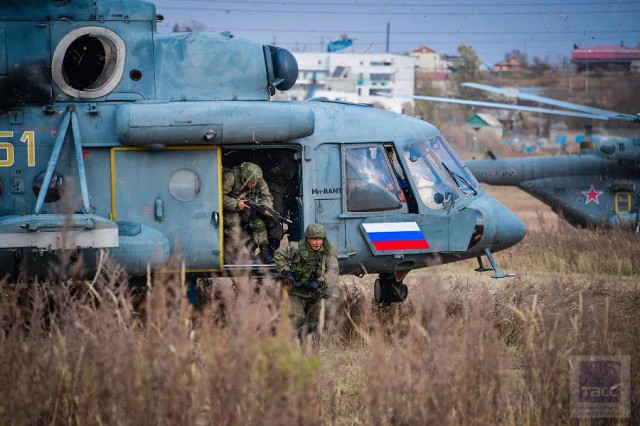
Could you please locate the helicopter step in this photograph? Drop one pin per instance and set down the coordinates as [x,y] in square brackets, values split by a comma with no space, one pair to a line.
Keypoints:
[253,268]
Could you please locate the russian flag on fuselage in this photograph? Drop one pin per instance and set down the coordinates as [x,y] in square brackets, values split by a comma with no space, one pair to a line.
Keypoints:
[393,236]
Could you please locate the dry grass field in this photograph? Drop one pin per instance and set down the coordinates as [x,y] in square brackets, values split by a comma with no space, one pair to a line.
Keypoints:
[463,349]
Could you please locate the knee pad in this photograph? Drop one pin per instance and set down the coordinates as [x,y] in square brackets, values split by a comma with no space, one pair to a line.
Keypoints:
[258,225]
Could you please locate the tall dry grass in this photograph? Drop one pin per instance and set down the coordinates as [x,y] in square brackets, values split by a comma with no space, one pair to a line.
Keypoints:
[461,350]
[80,355]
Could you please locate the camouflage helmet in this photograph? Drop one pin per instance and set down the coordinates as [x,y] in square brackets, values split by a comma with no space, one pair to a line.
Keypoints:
[315,230]
[250,172]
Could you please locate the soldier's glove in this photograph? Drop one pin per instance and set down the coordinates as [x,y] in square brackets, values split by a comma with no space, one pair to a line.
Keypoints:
[314,285]
[291,279]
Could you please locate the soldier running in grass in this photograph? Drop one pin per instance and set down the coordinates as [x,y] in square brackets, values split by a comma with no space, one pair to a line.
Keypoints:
[308,270]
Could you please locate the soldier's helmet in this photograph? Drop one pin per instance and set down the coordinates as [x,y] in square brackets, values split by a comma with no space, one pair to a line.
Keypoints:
[250,172]
[315,230]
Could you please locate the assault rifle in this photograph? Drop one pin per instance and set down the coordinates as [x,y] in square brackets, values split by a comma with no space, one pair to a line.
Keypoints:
[261,208]
[314,285]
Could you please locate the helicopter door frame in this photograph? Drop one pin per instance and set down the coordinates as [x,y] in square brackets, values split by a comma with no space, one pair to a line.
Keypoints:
[618,195]
[188,203]
[287,191]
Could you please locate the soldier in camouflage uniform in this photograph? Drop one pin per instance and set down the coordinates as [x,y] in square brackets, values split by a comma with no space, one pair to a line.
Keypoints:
[246,181]
[308,269]
[281,172]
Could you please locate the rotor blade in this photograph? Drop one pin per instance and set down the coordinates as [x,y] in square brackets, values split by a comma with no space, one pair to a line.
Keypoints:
[568,105]
[495,105]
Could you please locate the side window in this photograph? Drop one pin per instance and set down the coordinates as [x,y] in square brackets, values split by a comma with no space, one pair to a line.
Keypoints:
[369,184]
[623,202]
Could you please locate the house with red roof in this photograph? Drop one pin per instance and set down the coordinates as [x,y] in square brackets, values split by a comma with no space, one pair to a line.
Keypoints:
[430,61]
[609,57]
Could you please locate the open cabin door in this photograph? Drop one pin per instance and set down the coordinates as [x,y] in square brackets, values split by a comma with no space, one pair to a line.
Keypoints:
[177,192]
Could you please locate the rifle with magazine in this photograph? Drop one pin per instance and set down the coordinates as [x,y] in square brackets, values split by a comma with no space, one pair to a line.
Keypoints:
[314,285]
[261,208]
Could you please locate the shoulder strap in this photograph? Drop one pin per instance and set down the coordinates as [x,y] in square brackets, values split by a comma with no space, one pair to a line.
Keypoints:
[303,249]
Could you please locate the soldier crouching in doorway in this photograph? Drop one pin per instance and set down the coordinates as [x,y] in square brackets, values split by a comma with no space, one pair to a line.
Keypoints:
[246,182]
[308,270]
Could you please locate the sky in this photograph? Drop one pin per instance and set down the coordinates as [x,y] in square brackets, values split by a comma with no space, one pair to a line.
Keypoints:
[547,29]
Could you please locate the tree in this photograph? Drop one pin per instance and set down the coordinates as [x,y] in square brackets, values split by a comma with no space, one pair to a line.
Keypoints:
[190,27]
[539,67]
[468,70]
[519,56]
[427,110]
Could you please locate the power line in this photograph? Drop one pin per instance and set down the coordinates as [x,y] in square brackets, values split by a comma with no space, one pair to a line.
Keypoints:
[389,13]
[422,4]
[455,43]
[448,33]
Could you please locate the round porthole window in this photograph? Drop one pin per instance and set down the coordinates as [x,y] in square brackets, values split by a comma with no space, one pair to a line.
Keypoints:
[184,184]
[88,62]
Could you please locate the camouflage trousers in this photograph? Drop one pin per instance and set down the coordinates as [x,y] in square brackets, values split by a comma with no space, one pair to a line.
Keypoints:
[305,311]
[261,229]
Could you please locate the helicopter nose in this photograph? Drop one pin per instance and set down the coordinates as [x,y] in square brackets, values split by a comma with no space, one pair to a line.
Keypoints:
[510,229]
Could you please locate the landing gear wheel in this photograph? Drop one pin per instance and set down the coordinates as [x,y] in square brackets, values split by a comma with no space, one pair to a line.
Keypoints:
[387,290]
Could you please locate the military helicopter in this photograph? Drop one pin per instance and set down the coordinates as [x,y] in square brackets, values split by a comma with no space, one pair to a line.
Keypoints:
[113,138]
[597,187]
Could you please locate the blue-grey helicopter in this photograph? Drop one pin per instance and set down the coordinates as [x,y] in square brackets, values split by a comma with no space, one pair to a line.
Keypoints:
[114,137]
[597,187]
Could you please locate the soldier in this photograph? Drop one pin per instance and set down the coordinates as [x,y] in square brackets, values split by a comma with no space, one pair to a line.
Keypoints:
[281,171]
[246,181]
[308,268]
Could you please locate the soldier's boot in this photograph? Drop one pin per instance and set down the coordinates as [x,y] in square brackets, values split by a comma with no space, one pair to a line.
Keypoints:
[274,243]
[265,253]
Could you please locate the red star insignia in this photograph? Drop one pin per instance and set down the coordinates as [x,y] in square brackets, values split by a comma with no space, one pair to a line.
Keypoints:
[592,195]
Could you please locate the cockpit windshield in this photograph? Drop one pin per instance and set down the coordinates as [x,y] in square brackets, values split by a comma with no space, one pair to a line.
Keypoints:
[446,156]
[439,174]
[433,188]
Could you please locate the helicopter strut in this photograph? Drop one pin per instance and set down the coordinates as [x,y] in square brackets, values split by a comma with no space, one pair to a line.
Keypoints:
[494,267]
[64,128]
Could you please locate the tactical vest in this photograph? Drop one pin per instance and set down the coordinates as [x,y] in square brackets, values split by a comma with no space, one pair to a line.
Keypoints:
[312,265]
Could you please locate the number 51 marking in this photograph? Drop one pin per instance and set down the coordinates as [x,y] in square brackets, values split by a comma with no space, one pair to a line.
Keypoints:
[7,157]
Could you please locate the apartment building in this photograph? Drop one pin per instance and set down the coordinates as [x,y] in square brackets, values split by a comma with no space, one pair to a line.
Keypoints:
[354,77]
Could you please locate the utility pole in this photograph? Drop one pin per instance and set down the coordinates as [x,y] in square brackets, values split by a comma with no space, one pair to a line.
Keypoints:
[586,84]
[388,31]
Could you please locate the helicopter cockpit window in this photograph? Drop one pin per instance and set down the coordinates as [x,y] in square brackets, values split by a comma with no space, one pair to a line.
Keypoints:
[432,188]
[453,165]
[370,187]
